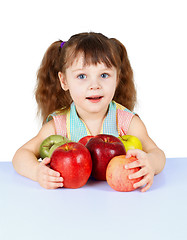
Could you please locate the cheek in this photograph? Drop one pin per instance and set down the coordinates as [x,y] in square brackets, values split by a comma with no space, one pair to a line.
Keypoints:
[77,91]
[111,87]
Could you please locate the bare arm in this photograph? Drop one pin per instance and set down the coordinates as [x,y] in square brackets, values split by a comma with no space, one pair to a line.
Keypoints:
[156,155]
[151,160]
[25,160]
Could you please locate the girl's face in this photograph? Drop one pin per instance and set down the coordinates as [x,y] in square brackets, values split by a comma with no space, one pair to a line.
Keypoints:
[91,87]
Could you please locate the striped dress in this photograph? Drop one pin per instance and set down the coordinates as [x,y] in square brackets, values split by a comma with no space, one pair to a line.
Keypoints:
[68,124]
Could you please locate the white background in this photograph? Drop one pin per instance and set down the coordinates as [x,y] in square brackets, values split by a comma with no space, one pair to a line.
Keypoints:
[154,33]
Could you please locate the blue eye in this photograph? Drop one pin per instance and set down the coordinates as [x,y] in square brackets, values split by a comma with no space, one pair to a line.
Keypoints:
[82,76]
[104,75]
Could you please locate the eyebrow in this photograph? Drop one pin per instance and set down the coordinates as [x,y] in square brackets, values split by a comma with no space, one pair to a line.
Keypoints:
[79,69]
[82,69]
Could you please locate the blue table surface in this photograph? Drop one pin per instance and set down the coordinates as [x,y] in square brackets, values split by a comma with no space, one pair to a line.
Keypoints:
[95,211]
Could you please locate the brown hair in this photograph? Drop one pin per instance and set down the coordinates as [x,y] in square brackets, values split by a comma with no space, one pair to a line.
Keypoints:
[96,48]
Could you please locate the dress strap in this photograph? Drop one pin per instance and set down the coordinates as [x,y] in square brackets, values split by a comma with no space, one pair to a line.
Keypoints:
[116,123]
[60,125]
[124,119]
[59,118]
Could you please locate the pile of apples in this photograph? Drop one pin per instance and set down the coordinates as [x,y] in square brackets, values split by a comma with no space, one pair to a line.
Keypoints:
[103,157]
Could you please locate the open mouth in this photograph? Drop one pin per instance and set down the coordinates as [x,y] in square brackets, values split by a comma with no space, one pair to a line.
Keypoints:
[94,98]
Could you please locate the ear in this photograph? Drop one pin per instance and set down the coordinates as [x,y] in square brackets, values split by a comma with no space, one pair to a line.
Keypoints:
[63,81]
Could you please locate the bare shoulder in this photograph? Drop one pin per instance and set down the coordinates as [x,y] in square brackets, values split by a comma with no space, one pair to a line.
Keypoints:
[47,130]
[137,128]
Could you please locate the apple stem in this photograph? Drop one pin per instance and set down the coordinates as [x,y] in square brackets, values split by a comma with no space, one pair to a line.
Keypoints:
[66,148]
[107,140]
[123,139]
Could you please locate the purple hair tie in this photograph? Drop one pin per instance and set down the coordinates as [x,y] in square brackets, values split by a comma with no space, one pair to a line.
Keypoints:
[62,44]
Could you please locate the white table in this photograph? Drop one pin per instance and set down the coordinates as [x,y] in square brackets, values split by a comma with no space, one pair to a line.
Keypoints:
[95,211]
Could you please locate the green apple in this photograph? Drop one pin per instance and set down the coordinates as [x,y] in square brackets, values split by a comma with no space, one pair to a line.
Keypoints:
[130,142]
[49,145]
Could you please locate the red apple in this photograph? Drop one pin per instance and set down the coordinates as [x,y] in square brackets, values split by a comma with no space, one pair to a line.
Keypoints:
[103,148]
[73,161]
[85,139]
[117,174]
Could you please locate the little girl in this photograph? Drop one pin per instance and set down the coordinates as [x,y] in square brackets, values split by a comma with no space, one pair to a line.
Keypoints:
[85,87]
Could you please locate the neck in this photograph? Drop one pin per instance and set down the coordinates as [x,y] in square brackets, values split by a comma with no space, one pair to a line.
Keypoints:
[91,117]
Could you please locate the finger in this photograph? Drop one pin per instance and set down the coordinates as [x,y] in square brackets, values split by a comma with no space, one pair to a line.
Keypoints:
[46,160]
[144,189]
[142,172]
[135,164]
[50,172]
[133,153]
[53,173]
[142,182]
[52,185]
[55,179]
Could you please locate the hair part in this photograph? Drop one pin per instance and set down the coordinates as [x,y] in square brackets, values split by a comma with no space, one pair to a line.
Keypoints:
[96,48]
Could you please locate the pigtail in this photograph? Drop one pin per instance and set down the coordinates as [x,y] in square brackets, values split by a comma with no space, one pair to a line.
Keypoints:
[49,94]
[125,92]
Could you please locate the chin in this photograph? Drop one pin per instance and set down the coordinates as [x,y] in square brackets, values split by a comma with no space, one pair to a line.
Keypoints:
[93,108]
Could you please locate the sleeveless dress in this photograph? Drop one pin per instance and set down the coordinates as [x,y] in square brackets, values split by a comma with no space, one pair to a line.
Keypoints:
[68,124]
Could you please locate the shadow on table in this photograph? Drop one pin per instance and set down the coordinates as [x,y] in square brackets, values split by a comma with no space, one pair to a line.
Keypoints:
[158,182]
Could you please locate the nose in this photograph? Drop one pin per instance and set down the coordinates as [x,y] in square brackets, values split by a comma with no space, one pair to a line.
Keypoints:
[94,87]
[94,84]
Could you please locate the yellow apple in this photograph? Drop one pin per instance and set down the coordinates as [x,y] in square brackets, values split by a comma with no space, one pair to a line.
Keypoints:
[130,142]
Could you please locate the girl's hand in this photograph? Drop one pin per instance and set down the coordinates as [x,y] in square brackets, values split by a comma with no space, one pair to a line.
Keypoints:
[47,177]
[146,171]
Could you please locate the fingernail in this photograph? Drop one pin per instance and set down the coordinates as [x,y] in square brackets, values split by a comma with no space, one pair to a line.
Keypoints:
[130,177]
[126,166]
[61,179]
